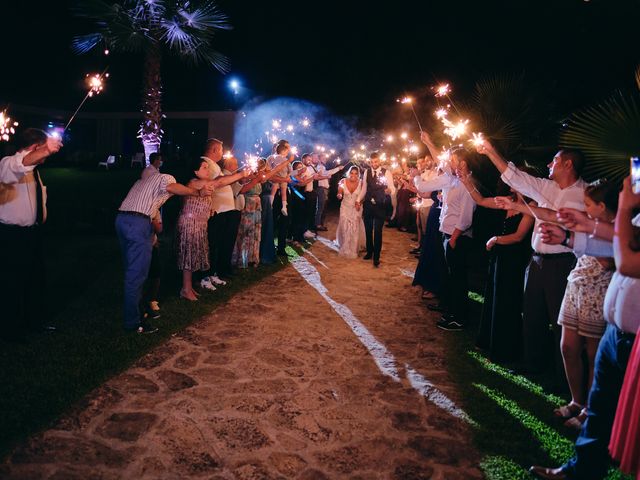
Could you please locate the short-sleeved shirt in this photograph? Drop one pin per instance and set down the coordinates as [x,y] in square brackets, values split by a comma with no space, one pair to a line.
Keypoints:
[148,195]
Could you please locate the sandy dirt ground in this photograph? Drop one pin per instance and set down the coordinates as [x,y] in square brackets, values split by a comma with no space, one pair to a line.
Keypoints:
[330,368]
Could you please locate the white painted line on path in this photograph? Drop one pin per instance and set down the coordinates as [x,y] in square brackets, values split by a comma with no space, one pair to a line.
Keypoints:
[407,273]
[328,243]
[384,359]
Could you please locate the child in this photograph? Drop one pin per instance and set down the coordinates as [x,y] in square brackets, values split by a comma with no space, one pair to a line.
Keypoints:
[282,150]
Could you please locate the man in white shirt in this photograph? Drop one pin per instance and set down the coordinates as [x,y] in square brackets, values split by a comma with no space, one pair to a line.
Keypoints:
[456,218]
[377,183]
[223,222]
[324,175]
[22,213]
[546,275]
[310,196]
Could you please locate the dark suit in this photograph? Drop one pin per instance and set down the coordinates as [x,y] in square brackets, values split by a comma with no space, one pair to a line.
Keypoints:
[374,212]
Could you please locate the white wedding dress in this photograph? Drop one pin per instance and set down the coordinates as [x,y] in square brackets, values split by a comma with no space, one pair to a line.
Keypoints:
[350,234]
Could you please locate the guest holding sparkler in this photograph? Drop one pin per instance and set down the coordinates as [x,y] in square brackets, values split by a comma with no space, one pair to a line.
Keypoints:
[22,214]
[377,184]
[322,190]
[456,226]
[135,233]
[500,330]
[546,276]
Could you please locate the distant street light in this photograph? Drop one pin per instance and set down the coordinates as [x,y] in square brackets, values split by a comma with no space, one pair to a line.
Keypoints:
[234,85]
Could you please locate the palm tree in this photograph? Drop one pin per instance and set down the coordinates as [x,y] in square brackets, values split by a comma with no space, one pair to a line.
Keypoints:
[184,28]
[608,133]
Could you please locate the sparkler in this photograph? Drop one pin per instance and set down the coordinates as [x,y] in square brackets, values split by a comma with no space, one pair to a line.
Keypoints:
[7,127]
[389,138]
[96,85]
[409,100]
[404,135]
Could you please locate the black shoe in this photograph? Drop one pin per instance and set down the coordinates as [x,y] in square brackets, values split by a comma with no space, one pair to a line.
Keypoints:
[368,256]
[449,325]
[282,253]
[415,251]
[146,327]
[436,307]
[376,263]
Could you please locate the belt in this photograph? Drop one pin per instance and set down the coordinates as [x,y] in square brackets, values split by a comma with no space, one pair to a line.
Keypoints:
[554,255]
[135,214]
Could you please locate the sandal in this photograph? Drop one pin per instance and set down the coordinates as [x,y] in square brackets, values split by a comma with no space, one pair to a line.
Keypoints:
[577,421]
[568,411]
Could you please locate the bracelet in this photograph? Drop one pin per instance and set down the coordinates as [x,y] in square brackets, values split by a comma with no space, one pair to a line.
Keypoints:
[567,237]
[595,229]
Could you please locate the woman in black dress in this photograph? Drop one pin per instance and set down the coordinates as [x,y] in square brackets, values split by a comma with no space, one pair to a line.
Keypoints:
[501,323]
[431,265]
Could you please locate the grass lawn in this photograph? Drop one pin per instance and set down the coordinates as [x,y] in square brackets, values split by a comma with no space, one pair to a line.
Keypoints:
[516,427]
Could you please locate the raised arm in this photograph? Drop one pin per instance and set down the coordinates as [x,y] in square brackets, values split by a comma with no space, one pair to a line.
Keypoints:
[466,179]
[38,154]
[489,150]
[426,139]
[627,259]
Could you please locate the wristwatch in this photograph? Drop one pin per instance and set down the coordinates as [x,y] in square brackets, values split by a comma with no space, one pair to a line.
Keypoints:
[567,237]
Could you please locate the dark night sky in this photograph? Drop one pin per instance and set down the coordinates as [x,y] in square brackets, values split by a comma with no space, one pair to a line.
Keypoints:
[351,56]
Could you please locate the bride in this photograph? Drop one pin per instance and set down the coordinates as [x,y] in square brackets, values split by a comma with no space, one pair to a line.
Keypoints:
[350,233]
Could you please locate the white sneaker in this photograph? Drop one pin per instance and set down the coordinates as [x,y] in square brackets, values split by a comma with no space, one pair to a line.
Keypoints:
[309,234]
[206,283]
[216,280]
[284,211]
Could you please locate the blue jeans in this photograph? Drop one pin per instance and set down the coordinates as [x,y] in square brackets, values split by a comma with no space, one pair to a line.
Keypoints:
[135,235]
[591,460]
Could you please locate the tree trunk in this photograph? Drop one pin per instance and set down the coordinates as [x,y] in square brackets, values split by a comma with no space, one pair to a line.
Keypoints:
[151,128]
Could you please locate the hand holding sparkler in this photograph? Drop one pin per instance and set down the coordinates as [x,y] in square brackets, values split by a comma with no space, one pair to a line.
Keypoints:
[53,144]
[553,234]
[504,203]
[575,220]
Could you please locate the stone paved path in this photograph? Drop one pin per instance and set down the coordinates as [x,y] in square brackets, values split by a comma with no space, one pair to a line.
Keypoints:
[328,369]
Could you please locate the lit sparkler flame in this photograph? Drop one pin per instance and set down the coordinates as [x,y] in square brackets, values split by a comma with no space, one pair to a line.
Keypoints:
[7,127]
[441,113]
[443,90]
[362,147]
[389,138]
[275,123]
[455,130]
[404,135]
[289,128]
[252,162]
[305,122]
[95,83]
[405,100]
[477,139]
[414,148]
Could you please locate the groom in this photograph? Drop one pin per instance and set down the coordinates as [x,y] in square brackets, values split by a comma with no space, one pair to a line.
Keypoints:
[376,185]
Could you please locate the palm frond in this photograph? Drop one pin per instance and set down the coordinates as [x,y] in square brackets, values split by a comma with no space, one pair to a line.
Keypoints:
[84,43]
[608,134]
[205,17]
[507,110]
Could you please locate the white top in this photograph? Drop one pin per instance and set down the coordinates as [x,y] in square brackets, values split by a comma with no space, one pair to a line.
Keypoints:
[274,160]
[387,175]
[322,170]
[426,176]
[548,194]
[150,170]
[622,301]
[18,197]
[309,172]
[148,195]
[457,204]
